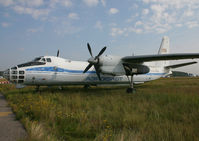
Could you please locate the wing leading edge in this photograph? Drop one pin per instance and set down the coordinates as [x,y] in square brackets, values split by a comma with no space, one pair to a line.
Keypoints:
[159,57]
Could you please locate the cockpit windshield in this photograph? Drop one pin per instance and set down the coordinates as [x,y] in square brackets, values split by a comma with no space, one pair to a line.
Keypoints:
[43,60]
[35,62]
[37,59]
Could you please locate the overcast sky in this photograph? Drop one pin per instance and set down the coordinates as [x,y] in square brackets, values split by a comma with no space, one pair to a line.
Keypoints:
[30,28]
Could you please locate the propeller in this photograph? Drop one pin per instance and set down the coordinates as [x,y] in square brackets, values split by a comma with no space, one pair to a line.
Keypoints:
[58,53]
[94,61]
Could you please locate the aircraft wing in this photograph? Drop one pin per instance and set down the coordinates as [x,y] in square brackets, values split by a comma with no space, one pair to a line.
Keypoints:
[159,57]
[180,65]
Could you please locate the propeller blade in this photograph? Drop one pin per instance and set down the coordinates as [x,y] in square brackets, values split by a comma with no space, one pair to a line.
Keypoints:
[58,53]
[100,53]
[97,72]
[87,68]
[94,61]
[89,49]
[98,75]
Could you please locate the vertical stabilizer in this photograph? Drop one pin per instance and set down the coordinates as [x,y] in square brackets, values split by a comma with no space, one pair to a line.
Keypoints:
[164,47]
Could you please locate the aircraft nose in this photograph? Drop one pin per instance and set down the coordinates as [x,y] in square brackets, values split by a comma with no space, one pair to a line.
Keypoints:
[13,74]
[16,75]
[6,74]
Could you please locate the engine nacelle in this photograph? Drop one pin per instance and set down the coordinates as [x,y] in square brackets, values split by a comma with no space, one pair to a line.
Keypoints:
[136,69]
[140,69]
[111,65]
[113,70]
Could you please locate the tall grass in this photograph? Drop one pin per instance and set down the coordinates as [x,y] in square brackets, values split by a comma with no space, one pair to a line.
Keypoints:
[165,109]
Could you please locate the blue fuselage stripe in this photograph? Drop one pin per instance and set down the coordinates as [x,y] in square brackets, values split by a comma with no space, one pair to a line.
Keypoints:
[54,69]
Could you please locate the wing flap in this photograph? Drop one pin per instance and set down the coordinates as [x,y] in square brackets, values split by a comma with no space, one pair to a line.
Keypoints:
[159,57]
[180,65]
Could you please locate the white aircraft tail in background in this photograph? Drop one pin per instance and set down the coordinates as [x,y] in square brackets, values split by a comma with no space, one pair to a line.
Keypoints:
[108,69]
[165,49]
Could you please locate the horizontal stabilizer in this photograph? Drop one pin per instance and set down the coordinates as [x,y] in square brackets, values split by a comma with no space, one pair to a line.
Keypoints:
[180,65]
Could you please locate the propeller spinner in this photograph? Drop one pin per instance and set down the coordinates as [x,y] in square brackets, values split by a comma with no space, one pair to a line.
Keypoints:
[94,61]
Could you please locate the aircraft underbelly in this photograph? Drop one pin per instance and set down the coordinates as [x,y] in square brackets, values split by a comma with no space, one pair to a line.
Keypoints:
[59,78]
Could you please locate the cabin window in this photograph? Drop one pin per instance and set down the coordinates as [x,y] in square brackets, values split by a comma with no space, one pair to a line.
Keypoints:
[21,77]
[14,77]
[48,59]
[20,81]
[14,72]
[21,72]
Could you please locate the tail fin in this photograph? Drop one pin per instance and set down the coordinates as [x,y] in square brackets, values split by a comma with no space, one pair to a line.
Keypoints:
[164,49]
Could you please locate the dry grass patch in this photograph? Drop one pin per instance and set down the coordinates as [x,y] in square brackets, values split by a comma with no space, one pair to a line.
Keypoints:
[165,109]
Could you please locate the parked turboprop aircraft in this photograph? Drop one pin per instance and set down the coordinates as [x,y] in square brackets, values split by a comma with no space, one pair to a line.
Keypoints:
[108,69]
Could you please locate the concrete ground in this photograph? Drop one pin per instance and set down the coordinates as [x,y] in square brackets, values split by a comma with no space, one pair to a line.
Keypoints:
[10,128]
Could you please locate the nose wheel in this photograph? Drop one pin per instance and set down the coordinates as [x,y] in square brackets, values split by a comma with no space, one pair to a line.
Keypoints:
[37,88]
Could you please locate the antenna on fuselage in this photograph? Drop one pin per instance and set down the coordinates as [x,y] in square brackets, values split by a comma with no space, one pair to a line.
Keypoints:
[58,53]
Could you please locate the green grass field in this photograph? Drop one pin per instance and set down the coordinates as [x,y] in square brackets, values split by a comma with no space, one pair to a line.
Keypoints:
[166,109]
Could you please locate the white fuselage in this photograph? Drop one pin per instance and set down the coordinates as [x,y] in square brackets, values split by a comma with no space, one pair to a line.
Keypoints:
[65,72]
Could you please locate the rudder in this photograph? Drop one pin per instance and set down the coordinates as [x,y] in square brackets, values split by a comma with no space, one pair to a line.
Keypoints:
[164,47]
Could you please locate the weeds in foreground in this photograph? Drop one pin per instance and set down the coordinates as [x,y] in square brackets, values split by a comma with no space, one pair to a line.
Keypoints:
[166,109]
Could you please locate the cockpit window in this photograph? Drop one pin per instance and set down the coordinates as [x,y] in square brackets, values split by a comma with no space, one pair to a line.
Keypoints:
[37,59]
[48,59]
[35,62]
[31,64]
[43,59]
[14,68]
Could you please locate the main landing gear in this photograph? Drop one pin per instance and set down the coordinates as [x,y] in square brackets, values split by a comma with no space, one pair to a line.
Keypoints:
[86,86]
[37,89]
[61,88]
[131,89]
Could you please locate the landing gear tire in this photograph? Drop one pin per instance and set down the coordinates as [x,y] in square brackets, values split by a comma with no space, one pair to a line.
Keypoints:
[37,89]
[86,86]
[61,88]
[130,90]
